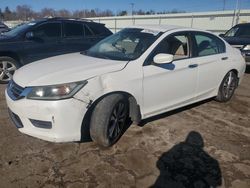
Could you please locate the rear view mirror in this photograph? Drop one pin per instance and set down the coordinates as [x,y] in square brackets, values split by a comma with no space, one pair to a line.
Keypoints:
[29,35]
[163,58]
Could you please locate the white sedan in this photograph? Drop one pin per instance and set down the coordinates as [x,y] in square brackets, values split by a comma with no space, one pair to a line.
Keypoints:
[134,74]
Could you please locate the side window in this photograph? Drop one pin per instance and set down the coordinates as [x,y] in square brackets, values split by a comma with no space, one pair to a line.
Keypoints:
[48,31]
[95,29]
[244,31]
[73,30]
[88,32]
[177,45]
[208,44]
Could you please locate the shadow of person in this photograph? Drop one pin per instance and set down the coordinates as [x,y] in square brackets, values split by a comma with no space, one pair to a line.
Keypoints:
[187,165]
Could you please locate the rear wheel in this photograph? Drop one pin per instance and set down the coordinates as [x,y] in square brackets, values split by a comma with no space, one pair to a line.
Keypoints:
[227,87]
[108,120]
[8,66]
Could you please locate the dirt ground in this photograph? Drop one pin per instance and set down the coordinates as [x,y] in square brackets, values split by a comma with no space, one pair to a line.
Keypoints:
[167,149]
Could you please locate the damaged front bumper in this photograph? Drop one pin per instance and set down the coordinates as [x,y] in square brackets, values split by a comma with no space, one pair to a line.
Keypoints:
[55,121]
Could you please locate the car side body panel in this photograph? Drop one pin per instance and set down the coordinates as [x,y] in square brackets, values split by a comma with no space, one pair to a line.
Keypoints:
[156,89]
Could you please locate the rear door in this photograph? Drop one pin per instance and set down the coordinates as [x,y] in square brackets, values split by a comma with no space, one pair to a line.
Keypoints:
[210,56]
[73,36]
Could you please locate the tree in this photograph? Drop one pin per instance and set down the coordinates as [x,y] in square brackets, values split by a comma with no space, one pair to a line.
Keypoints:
[140,12]
[47,12]
[7,14]
[24,12]
[122,13]
[64,13]
[1,15]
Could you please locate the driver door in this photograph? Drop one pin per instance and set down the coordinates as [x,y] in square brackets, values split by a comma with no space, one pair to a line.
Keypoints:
[167,86]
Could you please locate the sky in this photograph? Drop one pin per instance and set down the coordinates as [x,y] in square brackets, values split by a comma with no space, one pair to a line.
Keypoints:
[118,5]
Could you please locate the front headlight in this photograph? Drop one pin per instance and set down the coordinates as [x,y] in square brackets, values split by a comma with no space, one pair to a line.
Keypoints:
[55,92]
[247,47]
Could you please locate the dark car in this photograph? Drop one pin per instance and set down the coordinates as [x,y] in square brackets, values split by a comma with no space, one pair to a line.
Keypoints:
[239,37]
[46,38]
[3,28]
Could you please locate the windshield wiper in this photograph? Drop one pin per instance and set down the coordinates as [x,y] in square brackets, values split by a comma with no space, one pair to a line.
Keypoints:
[83,52]
[94,55]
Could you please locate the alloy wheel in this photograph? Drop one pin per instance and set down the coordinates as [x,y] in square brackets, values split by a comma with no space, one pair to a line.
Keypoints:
[7,70]
[229,85]
[117,121]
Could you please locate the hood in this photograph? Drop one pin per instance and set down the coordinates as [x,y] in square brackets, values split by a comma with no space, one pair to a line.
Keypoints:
[64,69]
[237,40]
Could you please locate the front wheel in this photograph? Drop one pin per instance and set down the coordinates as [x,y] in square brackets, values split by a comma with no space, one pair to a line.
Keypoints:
[227,87]
[8,66]
[108,120]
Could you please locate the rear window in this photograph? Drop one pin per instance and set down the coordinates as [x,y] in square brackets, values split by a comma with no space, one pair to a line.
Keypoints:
[95,30]
[208,44]
[88,32]
[98,29]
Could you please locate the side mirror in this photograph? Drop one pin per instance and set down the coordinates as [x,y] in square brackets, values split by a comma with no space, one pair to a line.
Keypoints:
[222,35]
[29,35]
[163,58]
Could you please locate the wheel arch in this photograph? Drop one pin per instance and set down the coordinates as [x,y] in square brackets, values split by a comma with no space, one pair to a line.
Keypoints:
[134,112]
[11,55]
[236,72]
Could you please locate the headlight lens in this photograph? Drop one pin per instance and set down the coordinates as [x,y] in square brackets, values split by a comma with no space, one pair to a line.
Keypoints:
[247,47]
[55,92]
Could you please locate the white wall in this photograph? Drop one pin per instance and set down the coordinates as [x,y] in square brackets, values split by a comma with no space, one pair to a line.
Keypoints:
[217,22]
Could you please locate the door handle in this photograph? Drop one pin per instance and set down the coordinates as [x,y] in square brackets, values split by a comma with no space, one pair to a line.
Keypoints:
[224,58]
[193,66]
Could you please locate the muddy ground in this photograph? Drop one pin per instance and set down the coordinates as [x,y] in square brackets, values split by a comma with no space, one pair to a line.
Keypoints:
[222,128]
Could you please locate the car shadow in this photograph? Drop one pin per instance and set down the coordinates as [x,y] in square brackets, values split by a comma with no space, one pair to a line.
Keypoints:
[187,165]
[85,129]
[172,112]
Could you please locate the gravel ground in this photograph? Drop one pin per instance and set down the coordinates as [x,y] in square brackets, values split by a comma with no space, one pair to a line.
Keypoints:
[205,143]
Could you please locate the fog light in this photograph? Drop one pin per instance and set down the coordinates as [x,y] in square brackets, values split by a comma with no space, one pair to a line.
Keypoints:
[41,124]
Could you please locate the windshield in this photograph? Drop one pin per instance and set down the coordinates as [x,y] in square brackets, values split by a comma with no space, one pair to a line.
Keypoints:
[128,44]
[243,31]
[18,29]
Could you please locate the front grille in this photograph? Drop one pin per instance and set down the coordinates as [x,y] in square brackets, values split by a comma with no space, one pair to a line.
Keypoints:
[15,91]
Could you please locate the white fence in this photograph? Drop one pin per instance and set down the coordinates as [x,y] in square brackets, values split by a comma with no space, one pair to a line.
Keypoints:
[217,22]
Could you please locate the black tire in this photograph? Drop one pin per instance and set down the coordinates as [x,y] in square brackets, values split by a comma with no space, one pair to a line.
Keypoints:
[108,120]
[8,66]
[227,87]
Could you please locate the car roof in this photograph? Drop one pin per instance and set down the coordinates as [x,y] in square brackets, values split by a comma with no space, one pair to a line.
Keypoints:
[241,24]
[66,19]
[159,28]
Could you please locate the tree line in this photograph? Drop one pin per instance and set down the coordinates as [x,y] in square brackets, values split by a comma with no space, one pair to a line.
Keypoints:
[26,13]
